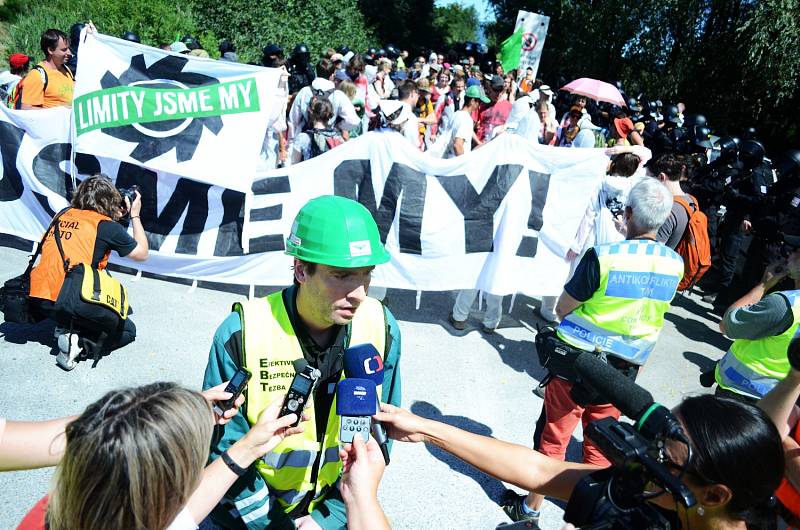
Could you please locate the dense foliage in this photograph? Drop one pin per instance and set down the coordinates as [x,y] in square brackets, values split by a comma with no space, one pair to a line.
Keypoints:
[454,24]
[735,61]
[156,21]
[404,23]
[252,25]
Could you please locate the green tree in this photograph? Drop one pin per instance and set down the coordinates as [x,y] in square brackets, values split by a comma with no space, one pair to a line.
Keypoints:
[156,21]
[454,24]
[404,23]
[252,25]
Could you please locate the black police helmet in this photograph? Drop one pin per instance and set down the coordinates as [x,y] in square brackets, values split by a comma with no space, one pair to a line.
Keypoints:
[381,53]
[658,104]
[272,49]
[300,49]
[728,147]
[701,137]
[788,163]
[749,134]
[131,36]
[392,52]
[671,114]
[751,152]
[695,120]
[344,49]
[619,86]
[226,46]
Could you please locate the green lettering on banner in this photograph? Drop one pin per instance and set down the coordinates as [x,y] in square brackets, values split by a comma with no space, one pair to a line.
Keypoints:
[119,106]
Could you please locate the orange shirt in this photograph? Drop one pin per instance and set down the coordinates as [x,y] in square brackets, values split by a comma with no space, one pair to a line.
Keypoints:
[58,92]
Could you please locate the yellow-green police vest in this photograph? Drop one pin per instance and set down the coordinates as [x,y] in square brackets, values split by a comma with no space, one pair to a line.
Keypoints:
[753,367]
[625,314]
[270,347]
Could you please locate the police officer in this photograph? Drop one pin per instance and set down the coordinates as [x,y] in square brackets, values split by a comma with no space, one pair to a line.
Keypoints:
[271,55]
[336,245]
[762,327]
[615,303]
[746,201]
[301,74]
[710,181]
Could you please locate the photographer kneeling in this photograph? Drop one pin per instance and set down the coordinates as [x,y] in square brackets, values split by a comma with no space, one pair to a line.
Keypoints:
[735,465]
[88,232]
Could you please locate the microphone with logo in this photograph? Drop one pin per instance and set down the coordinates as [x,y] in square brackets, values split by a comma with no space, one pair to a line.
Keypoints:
[356,403]
[364,361]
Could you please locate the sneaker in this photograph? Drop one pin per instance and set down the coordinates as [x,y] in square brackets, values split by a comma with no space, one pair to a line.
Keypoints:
[488,330]
[68,351]
[513,509]
[460,325]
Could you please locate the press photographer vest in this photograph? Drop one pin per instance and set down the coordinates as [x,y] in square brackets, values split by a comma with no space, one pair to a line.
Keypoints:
[754,367]
[78,229]
[624,316]
[270,347]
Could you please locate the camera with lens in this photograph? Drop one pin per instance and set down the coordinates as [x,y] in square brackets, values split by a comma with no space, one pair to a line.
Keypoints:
[128,193]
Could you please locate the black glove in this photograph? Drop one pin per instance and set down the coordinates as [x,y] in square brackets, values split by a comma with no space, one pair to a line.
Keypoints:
[793,353]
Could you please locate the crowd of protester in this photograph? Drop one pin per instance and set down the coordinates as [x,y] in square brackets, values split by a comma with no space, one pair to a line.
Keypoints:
[666,167]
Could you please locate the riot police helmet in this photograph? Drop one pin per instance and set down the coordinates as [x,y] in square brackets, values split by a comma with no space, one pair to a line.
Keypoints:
[659,104]
[191,42]
[391,51]
[131,37]
[300,54]
[633,105]
[272,49]
[728,148]
[487,66]
[344,49]
[749,133]
[751,152]
[788,164]
[695,120]
[702,137]
[672,115]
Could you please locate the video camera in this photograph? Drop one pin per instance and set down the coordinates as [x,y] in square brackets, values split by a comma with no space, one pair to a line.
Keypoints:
[616,498]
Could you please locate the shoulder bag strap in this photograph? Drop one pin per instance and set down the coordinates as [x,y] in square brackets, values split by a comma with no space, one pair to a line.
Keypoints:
[53,225]
[57,237]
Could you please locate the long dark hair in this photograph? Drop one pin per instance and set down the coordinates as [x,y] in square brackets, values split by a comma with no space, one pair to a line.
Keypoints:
[98,193]
[737,445]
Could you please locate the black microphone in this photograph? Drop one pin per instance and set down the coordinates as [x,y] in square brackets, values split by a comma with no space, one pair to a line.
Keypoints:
[364,362]
[651,419]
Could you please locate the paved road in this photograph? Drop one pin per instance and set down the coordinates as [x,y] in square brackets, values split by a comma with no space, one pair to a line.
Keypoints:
[482,383]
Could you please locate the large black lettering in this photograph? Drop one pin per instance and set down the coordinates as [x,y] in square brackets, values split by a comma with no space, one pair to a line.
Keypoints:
[47,168]
[229,235]
[353,179]
[269,186]
[188,196]
[479,209]
[11,182]
[540,185]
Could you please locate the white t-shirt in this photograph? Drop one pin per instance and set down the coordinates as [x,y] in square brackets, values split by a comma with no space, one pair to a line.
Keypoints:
[411,131]
[344,114]
[463,127]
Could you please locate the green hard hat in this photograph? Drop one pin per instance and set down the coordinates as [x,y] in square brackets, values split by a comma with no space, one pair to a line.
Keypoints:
[338,232]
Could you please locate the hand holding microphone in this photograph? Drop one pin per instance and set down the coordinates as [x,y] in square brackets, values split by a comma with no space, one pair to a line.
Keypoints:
[364,362]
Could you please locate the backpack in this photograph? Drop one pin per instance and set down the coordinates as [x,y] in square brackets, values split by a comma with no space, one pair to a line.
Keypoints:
[323,140]
[694,247]
[15,97]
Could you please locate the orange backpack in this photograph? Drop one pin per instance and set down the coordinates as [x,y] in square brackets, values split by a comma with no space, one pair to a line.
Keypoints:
[694,247]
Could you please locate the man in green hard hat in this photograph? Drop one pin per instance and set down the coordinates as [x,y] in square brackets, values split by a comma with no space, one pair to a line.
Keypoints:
[336,245]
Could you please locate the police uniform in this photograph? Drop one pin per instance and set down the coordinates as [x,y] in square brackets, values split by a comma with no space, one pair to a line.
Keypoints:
[753,366]
[625,289]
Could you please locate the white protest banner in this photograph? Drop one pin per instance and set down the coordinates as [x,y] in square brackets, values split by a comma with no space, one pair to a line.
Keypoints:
[199,118]
[534,31]
[500,218]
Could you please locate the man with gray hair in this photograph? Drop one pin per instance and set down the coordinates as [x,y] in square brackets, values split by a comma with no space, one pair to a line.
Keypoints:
[613,305]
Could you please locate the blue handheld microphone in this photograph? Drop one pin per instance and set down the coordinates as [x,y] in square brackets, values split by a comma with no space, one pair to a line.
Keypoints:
[364,361]
[356,402]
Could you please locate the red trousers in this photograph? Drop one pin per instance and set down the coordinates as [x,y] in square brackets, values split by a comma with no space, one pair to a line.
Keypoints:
[563,415]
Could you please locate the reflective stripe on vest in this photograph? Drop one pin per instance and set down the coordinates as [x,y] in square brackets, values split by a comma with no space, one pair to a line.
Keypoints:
[754,367]
[78,229]
[270,347]
[624,316]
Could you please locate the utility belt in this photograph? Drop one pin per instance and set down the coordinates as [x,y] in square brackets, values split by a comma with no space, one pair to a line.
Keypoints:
[558,357]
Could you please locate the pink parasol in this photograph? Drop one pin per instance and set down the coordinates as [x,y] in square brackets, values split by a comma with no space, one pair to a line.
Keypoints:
[597,90]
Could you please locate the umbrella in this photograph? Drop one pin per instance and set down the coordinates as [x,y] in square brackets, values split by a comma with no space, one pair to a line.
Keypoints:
[598,90]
